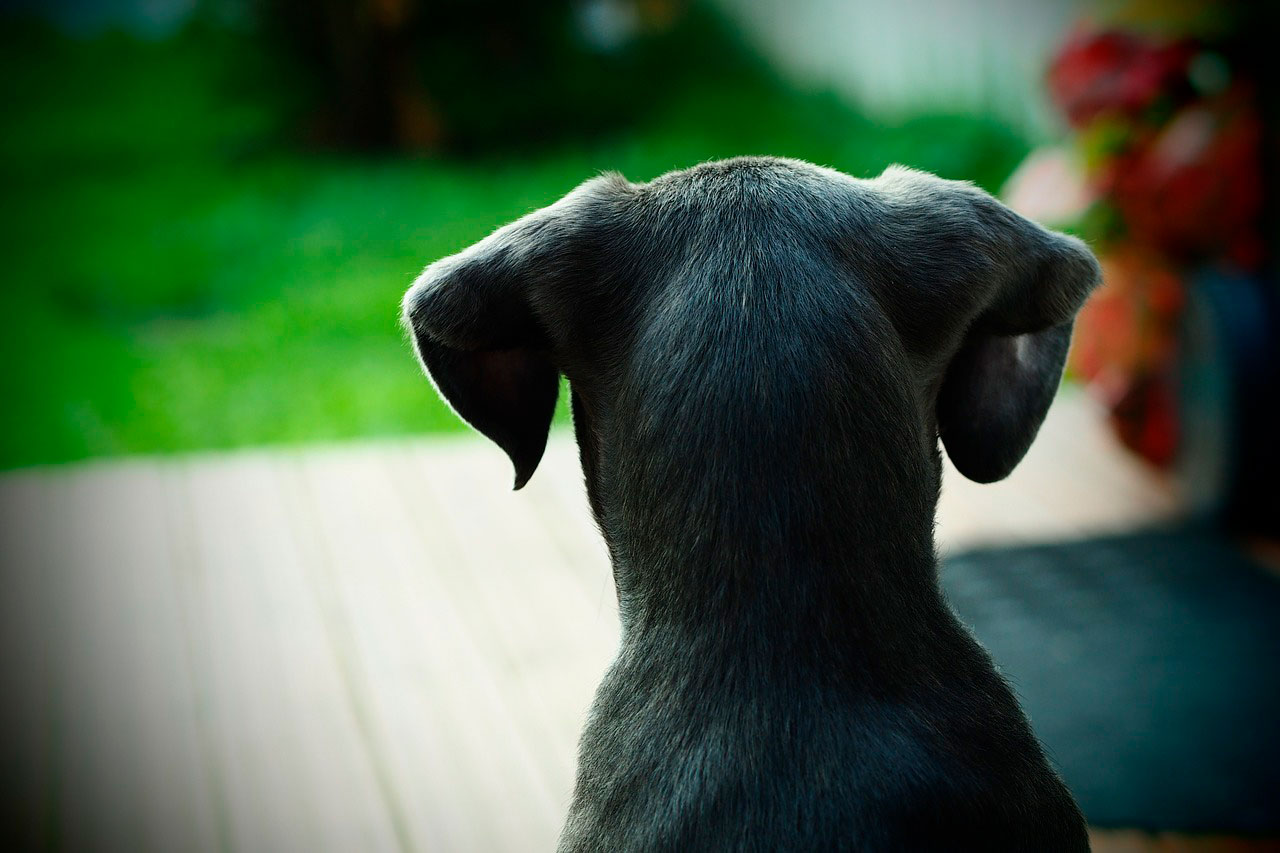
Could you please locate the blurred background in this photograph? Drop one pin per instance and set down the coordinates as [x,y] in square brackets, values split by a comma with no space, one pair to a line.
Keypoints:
[211,210]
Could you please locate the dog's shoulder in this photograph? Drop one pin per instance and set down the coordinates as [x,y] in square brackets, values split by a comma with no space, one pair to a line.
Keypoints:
[812,775]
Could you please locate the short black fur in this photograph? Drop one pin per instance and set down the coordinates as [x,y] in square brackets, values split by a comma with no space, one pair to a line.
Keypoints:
[763,355]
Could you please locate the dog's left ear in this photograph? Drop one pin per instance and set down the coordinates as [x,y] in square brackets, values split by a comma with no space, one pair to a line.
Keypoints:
[474,319]
[998,387]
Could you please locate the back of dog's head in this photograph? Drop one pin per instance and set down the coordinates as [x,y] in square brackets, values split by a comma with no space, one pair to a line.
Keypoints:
[736,327]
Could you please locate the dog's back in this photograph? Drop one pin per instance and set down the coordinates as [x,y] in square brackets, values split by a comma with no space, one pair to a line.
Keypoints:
[796,761]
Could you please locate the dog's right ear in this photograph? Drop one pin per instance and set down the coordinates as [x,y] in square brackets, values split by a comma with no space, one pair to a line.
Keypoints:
[999,386]
[476,327]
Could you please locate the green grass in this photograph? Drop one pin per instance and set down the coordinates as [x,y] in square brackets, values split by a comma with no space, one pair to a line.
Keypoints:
[178,278]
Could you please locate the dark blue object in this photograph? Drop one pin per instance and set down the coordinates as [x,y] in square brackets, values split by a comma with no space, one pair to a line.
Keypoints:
[1230,400]
[1149,665]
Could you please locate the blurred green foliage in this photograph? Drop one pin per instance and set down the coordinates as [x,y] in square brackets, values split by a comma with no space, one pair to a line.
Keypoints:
[443,76]
[180,276]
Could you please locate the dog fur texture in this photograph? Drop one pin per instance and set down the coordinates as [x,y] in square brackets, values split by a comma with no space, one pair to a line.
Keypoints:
[763,355]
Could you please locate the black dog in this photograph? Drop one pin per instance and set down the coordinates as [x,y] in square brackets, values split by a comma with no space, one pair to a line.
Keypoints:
[763,355]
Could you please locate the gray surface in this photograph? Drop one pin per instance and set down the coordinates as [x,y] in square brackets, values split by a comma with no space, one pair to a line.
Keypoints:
[1148,665]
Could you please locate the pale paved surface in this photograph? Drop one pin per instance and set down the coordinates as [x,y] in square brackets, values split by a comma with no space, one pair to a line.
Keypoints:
[365,647]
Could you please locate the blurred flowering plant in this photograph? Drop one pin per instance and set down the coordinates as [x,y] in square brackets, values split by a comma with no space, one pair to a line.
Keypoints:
[1171,146]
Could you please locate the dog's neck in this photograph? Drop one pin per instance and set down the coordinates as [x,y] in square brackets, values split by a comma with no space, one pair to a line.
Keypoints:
[766,464]
[748,540]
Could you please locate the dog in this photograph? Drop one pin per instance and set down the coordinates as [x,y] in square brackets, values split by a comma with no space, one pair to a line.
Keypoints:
[763,355]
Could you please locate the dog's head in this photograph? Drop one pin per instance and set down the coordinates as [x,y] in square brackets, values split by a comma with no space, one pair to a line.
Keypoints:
[905,307]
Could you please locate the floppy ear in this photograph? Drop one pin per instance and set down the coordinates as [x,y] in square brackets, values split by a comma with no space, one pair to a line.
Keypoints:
[509,396]
[474,321]
[998,387]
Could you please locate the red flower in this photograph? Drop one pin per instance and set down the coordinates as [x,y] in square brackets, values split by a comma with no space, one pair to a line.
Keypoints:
[1114,72]
[1195,190]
